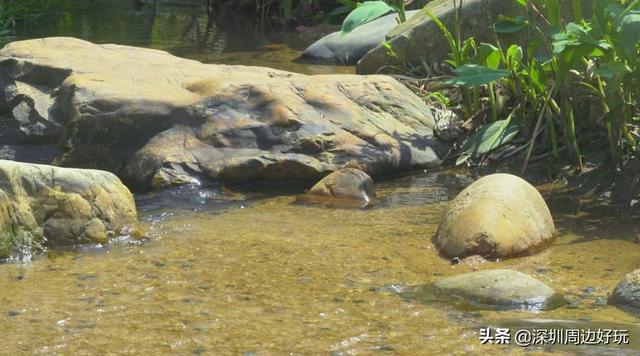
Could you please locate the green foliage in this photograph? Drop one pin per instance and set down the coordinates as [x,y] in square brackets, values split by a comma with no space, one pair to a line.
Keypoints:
[366,12]
[361,13]
[346,7]
[487,138]
[567,63]
[15,13]
[470,75]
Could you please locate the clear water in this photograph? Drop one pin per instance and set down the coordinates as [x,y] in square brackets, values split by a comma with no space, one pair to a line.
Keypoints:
[182,28]
[248,271]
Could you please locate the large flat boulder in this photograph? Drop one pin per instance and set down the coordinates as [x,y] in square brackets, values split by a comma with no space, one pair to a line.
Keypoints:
[349,48]
[44,205]
[156,120]
[419,40]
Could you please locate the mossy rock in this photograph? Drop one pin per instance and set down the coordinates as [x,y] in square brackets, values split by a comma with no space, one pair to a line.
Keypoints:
[46,206]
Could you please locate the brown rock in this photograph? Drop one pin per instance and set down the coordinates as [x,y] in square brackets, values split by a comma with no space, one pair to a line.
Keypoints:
[347,186]
[498,216]
[50,206]
[157,120]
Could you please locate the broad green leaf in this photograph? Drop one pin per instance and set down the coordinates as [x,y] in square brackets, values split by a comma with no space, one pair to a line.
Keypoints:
[610,70]
[489,56]
[364,13]
[514,56]
[630,31]
[470,75]
[489,137]
[578,36]
[507,24]
[631,7]
[538,76]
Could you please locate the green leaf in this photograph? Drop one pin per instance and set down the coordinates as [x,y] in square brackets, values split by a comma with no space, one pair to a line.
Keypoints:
[470,75]
[453,44]
[538,76]
[553,12]
[507,24]
[514,57]
[489,55]
[611,70]
[630,31]
[366,12]
[488,137]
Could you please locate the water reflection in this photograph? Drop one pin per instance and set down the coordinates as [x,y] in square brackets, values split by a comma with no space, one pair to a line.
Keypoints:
[185,29]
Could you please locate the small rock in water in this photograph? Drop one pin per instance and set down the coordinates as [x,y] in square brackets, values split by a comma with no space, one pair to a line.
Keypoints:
[500,288]
[349,187]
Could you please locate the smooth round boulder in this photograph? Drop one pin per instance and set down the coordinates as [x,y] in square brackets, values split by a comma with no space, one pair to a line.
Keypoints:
[627,292]
[498,216]
[346,186]
[500,288]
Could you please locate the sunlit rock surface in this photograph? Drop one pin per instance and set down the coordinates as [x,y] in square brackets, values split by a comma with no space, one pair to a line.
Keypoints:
[498,216]
[157,120]
[344,187]
[420,40]
[500,288]
[349,48]
[50,206]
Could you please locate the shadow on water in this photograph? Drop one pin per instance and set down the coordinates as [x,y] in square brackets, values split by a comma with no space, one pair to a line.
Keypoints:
[589,219]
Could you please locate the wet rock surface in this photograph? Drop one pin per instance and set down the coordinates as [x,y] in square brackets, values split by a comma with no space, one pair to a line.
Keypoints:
[157,120]
[500,288]
[50,206]
[349,48]
[347,186]
[498,216]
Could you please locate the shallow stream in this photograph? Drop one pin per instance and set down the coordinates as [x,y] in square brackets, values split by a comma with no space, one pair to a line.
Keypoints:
[229,271]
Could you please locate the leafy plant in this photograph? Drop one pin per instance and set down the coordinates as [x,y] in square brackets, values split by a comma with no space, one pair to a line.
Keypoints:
[566,64]
[14,13]
[369,11]
[365,12]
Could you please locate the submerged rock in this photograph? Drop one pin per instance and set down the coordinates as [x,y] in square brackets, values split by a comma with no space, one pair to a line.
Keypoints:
[349,48]
[500,288]
[420,40]
[498,216]
[157,120]
[627,292]
[50,206]
[348,186]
